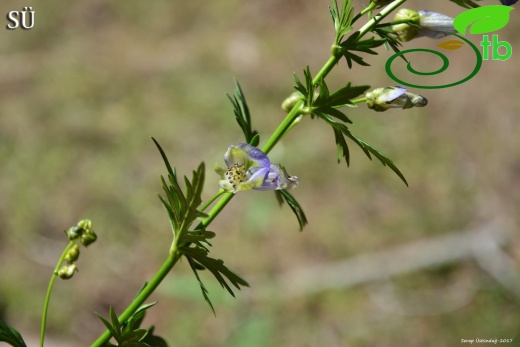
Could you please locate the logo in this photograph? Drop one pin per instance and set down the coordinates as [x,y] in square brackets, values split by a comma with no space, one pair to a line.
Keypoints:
[480,21]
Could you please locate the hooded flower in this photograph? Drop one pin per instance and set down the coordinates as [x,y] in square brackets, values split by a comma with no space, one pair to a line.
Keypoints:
[381,99]
[423,23]
[250,168]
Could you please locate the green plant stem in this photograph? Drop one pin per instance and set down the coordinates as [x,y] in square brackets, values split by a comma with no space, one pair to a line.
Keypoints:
[143,295]
[288,121]
[210,201]
[225,198]
[370,8]
[360,100]
[49,290]
[402,21]
[379,17]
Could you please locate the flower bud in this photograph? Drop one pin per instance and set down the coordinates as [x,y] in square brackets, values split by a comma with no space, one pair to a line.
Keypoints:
[88,238]
[74,232]
[290,101]
[406,31]
[423,23]
[67,271]
[73,254]
[85,224]
[435,25]
[382,99]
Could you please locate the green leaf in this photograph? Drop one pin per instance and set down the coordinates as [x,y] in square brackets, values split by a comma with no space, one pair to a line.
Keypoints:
[242,115]
[309,96]
[352,44]
[145,307]
[195,267]
[342,19]
[255,140]
[332,112]
[181,207]
[483,20]
[356,58]
[345,94]
[216,267]
[134,322]
[390,37]
[299,86]
[171,172]
[115,323]
[324,94]
[133,336]
[343,151]
[368,149]
[10,335]
[294,205]
[154,340]
[113,331]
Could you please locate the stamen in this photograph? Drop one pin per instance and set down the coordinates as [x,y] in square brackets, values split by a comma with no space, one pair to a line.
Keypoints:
[235,175]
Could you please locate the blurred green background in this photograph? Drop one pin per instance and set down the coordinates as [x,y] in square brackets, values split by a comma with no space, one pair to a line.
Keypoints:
[82,92]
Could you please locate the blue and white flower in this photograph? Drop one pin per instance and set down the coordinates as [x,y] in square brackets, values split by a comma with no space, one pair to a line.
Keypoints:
[249,168]
[422,23]
[382,99]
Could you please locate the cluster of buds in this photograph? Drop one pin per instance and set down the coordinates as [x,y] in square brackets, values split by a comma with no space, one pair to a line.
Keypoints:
[84,232]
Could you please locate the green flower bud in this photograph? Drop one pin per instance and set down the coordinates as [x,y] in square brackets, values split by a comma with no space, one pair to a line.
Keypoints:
[88,238]
[289,103]
[382,99]
[423,23]
[74,232]
[73,254]
[67,271]
[406,31]
[85,224]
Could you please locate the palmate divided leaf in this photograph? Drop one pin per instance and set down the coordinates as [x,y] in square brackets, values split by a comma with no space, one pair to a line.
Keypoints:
[342,19]
[192,242]
[243,116]
[325,106]
[353,44]
[341,130]
[129,333]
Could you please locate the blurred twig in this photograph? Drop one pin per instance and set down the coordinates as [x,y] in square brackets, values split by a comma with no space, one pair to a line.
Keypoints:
[481,244]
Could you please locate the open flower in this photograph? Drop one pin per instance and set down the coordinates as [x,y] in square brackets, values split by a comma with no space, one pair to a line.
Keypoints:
[381,99]
[250,168]
[423,23]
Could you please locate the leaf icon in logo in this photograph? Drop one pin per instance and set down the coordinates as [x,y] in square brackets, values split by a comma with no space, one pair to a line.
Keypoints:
[451,45]
[482,20]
